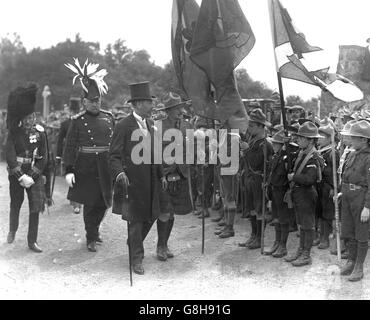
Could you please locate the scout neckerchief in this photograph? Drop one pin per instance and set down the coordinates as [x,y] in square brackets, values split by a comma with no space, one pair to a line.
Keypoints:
[305,160]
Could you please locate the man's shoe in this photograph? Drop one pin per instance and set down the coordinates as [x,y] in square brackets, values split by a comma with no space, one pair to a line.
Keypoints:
[11,237]
[99,240]
[256,244]
[295,256]
[357,273]
[35,247]
[91,246]
[198,212]
[222,223]
[76,210]
[280,252]
[248,242]
[218,232]
[272,250]
[303,260]
[138,268]
[348,268]
[227,233]
[161,254]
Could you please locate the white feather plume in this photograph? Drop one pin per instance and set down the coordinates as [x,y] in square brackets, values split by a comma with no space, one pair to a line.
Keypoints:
[89,71]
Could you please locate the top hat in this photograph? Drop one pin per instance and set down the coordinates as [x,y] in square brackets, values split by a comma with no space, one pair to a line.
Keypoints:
[359,129]
[259,117]
[140,91]
[308,130]
[21,103]
[172,100]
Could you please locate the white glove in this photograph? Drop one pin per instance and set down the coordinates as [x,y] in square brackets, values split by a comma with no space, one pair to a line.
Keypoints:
[70,178]
[26,181]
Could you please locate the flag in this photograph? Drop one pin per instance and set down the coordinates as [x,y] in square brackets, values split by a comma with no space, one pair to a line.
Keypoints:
[192,80]
[222,39]
[295,58]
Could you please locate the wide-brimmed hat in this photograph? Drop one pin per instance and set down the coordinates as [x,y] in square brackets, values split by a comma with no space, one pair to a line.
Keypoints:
[359,129]
[308,130]
[296,107]
[172,100]
[327,130]
[315,121]
[348,126]
[140,91]
[278,137]
[259,117]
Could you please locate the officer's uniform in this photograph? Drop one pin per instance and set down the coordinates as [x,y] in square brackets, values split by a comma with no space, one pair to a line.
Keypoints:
[26,153]
[86,155]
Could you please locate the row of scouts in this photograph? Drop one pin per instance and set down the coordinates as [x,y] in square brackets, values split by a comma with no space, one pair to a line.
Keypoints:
[98,157]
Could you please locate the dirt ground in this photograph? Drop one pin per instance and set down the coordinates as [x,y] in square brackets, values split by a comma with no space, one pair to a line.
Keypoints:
[66,270]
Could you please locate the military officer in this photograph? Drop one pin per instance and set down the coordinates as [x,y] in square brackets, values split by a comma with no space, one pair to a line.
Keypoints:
[26,156]
[86,154]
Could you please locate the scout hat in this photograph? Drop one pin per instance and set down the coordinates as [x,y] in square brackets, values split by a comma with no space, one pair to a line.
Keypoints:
[347,126]
[308,130]
[21,103]
[92,80]
[259,117]
[278,137]
[359,129]
[172,100]
[140,91]
[327,130]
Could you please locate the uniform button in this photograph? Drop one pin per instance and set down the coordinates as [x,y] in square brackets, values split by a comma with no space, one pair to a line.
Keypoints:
[92,138]
[88,131]
[82,118]
[85,124]
[94,145]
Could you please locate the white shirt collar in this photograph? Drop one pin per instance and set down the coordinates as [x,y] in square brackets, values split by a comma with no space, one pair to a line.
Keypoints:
[137,117]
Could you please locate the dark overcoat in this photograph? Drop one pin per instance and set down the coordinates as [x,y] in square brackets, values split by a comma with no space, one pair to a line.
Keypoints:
[145,179]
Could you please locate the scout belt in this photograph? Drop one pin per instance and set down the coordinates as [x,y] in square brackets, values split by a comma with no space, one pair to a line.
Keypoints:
[22,160]
[95,150]
[353,187]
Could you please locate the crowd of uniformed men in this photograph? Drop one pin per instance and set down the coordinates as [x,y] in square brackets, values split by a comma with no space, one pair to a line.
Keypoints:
[285,173]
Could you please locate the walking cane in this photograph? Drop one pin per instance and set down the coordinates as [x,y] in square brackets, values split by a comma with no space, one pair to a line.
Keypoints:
[190,188]
[335,183]
[264,195]
[129,251]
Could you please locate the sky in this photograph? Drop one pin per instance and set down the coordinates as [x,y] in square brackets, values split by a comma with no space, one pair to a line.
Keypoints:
[146,24]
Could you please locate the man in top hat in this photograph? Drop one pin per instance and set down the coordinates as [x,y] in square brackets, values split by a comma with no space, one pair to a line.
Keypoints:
[74,109]
[143,179]
[258,152]
[86,152]
[26,156]
[306,174]
[176,198]
[356,200]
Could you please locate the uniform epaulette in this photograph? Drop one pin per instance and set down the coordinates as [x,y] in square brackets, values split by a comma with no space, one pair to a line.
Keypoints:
[39,128]
[78,115]
[107,112]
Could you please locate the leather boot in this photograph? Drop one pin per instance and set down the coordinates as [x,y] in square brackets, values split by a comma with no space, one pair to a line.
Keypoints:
[256,243]
[352,254]
[228,232]
[276,244]
[11,237]
[251,238]
[324,235]
[305,258]
[169,229]
[162,228]
[282,251]
[219,231]
[299,251]
[358,271]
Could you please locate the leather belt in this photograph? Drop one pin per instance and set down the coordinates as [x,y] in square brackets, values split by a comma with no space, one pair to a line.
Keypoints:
[95,150]
[22,160]
[353,187]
